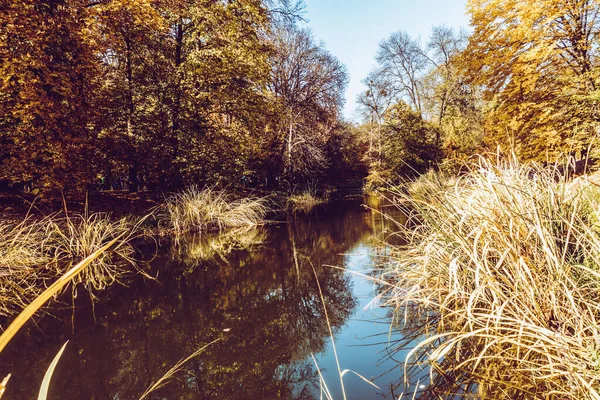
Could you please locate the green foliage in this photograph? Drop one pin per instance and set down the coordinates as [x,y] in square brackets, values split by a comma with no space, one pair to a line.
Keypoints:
[346,148]
[409,143]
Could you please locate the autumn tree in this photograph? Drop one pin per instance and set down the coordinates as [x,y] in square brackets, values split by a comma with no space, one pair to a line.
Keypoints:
[427,79]
[162,93]
[185,87]
[308,84]
[450,102]
[537,63]
[49,72]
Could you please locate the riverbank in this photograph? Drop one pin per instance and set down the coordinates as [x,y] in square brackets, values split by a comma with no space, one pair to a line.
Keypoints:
[499,281]
[120,203]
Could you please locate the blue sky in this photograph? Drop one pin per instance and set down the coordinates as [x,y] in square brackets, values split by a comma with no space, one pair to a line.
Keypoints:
[351,30]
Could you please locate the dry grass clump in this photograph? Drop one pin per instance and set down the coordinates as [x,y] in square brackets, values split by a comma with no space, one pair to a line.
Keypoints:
[34,252]
[20,258]
[73,238]
[195,210]
[19,244]
[430,184]
[500,281]
[305,201]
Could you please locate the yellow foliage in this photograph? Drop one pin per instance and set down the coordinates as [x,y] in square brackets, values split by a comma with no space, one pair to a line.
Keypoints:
[536,61]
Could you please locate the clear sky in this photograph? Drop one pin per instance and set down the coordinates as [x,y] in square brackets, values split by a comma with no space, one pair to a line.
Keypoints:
[352,29]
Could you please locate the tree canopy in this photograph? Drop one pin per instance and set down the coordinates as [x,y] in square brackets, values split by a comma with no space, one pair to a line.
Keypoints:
[160,94]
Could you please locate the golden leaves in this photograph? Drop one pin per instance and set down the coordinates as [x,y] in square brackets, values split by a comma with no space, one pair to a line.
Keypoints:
[537,59]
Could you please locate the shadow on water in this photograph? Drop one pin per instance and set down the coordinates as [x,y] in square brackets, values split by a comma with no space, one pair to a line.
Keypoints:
[256,290]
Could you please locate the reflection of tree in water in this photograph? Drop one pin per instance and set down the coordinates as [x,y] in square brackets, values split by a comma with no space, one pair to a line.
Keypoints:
[265,295]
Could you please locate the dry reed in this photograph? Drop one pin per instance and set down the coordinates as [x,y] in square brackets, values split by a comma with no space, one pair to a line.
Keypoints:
[305,201]
[195,210]
[36,251]
[75,237]
[499,281]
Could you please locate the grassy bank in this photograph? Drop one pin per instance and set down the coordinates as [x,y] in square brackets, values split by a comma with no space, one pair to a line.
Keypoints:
[38,255]
[40,248]
[499,282]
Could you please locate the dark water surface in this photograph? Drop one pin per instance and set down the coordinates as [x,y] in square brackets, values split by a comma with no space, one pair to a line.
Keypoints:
[255,291]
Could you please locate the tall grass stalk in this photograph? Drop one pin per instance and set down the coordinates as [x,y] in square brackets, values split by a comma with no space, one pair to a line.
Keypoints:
[37,303]
[324,388]
[3,385]
[195,210]
[43,395]
[500,281]
[176,368]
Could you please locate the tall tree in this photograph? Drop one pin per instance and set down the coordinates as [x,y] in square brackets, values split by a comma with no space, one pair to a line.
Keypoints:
[537,62]
[185,87]
[430,81]
[308,83]
[49,72]
[374,104]
[402,63]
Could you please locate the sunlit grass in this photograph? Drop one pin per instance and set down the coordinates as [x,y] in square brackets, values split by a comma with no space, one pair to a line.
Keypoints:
[305,201]
[195,210]
[500,281]
[29,311]
[36,251]
[21,257]
[75,237]
[19,244]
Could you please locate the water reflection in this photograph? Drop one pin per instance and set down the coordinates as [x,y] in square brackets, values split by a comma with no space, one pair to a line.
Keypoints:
[259,286]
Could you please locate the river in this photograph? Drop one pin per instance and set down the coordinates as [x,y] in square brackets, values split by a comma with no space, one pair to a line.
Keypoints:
[255,292]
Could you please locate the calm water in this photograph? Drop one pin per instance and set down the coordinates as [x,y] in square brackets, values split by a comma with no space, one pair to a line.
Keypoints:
[256,291]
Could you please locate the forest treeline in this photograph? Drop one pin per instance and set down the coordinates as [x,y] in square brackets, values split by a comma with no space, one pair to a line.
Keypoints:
[160,94]
[164,93]
[523,79]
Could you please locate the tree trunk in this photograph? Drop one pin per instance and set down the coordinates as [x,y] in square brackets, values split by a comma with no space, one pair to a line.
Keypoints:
[290,138]
[134,183]
[129,71]
[176,109]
